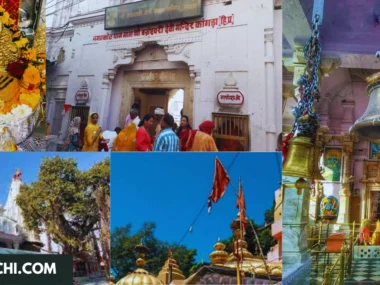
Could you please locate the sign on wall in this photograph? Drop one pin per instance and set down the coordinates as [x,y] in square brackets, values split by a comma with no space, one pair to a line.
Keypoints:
[151,11]
[230,98]
[82,96]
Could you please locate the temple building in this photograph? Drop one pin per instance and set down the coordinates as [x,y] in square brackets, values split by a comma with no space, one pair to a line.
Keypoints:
[217,60]
[331,183]
[14,237]
[223,269]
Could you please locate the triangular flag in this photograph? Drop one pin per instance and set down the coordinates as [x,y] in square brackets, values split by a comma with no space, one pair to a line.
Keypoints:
[219,186]
[240,204]
[67,107]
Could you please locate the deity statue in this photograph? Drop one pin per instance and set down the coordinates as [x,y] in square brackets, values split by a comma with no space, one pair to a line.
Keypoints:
[364,235]
[376,235]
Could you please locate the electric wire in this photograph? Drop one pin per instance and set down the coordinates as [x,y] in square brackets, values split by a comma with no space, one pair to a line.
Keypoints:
[204,205]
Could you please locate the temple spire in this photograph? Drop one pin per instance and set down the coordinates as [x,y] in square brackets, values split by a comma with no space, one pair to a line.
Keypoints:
[170,271]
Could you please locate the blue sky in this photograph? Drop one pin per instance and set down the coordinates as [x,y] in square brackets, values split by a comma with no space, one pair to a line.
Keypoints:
[29,164]
[171,188]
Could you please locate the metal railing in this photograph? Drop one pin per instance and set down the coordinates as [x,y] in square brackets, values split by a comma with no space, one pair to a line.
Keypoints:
[336,271]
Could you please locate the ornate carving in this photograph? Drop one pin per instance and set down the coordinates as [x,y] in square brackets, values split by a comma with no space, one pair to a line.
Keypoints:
[115,58]
[174,41]
[187,53]
[8,51]
[175,49]
[124,53]
[268,35]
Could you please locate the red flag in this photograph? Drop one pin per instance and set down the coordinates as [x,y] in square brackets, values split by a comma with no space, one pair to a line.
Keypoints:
[221,180]
[67,107]
[240,204]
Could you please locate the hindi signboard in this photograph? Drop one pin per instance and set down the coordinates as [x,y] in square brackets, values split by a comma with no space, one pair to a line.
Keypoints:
[230,98]
[82,96]
[151,11]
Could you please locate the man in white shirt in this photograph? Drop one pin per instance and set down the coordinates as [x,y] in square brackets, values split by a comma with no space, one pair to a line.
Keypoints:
[110,136]
[135,117]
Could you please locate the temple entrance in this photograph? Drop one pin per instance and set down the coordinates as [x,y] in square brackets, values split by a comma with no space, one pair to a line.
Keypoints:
[170,100]
[171,90]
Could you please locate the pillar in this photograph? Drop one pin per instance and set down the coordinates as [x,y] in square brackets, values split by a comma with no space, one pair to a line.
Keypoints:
[271,132]
[105,98]
[296,258]
[345,191]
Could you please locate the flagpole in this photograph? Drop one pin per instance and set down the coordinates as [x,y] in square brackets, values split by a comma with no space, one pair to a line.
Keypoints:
[257,239]
[241,239]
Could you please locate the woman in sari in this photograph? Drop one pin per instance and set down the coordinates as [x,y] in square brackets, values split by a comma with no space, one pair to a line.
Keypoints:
[202,140]
[92,134]
[184,132]
[126,139]
[72,142]
[143,139]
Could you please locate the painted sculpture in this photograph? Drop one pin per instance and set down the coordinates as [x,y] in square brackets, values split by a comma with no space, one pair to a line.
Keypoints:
[22,79]
[376,235]
[329,207]
[364,235]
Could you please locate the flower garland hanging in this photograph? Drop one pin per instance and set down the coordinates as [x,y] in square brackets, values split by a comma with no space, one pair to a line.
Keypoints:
[22,74]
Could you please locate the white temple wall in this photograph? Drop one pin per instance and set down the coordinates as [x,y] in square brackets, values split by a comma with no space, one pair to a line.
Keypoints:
[250,48]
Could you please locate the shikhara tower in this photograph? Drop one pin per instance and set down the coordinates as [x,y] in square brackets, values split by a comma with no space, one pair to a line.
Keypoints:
[13,233]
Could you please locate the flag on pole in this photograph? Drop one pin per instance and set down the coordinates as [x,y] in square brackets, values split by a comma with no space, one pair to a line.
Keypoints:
[219,186]
[240,204]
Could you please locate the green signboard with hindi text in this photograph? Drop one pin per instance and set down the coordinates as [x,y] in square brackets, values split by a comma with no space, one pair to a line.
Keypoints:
[151,11]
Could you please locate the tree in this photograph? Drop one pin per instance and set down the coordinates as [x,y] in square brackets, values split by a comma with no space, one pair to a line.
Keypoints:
[61,203]
[123,256]
[99,177]
[269,214]
[264,235]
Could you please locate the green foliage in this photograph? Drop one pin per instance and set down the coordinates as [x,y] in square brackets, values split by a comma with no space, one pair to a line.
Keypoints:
[264,235]
[123,256]
[61,203]
[269,214]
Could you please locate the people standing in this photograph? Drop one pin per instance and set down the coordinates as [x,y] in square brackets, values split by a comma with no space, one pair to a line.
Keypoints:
[143,139]
[128,119]
[72,142]
[126,139]
[184,132]
[110,136]
[167,140]
[202,140]
[92,133]
[156,127]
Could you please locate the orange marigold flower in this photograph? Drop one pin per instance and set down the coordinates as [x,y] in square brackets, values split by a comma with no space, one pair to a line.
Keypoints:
[32,75]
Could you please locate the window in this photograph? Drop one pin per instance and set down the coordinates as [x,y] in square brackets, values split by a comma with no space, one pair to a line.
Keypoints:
[231,132]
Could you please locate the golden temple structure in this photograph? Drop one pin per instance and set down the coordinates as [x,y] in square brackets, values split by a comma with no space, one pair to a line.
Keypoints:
[222,270]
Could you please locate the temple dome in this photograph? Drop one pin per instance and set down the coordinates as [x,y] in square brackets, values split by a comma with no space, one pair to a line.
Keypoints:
[140,276]
[176,272]
[219,256]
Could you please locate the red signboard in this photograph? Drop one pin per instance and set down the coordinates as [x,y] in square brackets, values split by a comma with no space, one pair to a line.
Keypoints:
[82,96]
[230,98]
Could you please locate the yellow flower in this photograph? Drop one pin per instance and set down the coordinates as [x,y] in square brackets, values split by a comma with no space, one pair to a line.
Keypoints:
[11,22]
[31,100]
[32,75]
[22,42]
[30,54]
[4,18]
